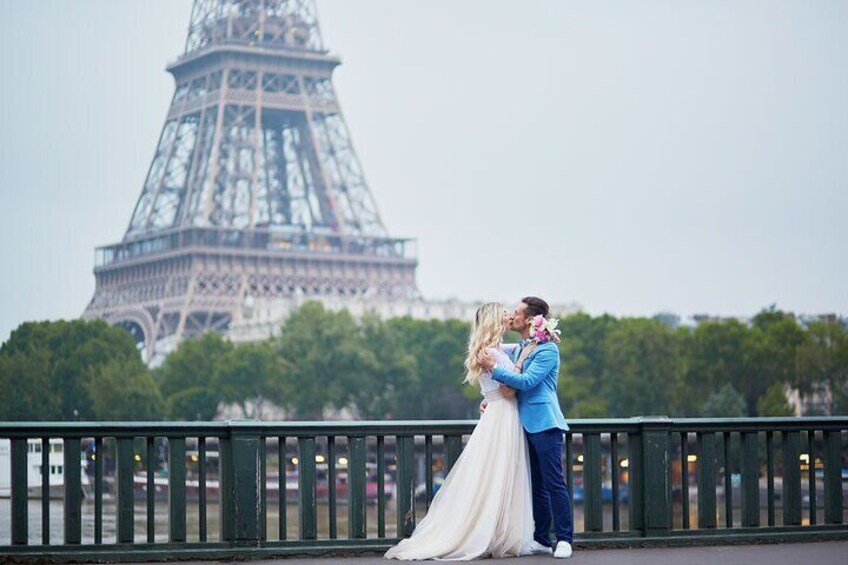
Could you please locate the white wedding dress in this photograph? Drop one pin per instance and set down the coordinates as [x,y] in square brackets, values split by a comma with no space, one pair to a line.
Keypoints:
[485,507]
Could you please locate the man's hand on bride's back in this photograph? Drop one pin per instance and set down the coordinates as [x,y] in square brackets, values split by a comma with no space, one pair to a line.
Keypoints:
[483,406]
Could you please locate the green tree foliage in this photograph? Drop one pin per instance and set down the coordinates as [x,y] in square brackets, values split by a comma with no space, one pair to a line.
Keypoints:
[27,387]
[392,376]
[724,403]
[644,367]
[772,349]
[190,377]
[252,375]
[717,357]
[329,360]
[822,362]
[439,349]
[53,366]
[583,365]
[324,361]
[774,403]
[125,390]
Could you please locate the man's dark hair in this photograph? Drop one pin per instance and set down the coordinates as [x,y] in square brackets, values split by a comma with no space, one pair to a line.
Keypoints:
[535,306]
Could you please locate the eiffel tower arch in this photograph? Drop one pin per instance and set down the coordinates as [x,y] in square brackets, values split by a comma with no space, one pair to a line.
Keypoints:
[255,195]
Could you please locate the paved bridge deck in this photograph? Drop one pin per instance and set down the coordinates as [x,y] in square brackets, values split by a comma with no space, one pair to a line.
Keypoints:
[820,553]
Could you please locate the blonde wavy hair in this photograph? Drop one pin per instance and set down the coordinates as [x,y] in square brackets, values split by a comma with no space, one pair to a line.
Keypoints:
[486,332]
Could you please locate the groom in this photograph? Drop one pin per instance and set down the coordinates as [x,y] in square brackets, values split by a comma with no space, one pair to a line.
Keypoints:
[544,425]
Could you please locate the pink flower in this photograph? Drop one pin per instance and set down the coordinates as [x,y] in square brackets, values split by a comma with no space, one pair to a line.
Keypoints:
[542,330]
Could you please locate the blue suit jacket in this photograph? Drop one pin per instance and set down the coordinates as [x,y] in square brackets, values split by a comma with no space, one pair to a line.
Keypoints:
[538,405]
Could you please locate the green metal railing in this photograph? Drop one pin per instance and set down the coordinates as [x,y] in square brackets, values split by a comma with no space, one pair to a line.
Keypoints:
[360,486]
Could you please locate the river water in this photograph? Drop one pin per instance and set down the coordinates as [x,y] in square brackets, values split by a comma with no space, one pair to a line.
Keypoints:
[273,520]
[193,521]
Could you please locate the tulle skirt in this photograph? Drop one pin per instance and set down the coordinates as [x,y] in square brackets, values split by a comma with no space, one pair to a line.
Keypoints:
[485,507]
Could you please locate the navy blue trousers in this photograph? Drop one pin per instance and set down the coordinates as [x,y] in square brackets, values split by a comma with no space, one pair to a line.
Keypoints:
[550,493]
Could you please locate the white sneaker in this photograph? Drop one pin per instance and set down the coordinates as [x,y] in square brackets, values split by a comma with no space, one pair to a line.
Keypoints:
[535,548]
[563,550]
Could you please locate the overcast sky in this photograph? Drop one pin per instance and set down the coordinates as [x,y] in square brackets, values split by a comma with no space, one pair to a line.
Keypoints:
[635,157]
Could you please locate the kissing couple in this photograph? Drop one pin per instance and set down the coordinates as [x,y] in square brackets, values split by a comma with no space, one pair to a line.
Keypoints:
[506,487]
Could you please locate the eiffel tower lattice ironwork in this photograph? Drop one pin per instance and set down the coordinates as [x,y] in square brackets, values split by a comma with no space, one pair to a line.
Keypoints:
[254,192]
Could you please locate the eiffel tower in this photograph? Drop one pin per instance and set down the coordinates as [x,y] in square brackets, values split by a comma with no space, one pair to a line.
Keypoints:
[254,194]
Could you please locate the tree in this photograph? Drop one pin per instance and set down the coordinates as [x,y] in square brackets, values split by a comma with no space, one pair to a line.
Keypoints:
[770,354]
[822,361]
[393,378]
[578,399]
[439,348]
[28,392]
[124,390]
[68,354]
[253,374]
[583,364]
[724,403]
[717,357]
[644,368]
[190,377]
[327,356]
[774,403]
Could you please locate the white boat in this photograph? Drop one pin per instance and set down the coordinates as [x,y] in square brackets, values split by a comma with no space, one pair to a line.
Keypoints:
[56,460]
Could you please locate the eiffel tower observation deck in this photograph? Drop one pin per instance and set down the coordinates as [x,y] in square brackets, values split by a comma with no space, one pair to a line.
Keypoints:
[255,199]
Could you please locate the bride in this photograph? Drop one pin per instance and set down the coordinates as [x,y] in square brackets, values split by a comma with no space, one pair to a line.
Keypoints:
[484,507]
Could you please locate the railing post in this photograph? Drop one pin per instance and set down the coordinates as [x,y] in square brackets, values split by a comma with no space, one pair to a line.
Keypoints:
[356,488]
[307,502]
[331,486]
[282,486]
[150,464]
[635,480]
[20,518]
[750,480]
[833,477]
[225,469]
[263,492]
[176,489]
[791,478]
[654,468]
[45,494]
[246,485]
[770,476]
[126,510]
[381,485]
[405,486]
[73,490]
[592,478]
[706,480]
[453,449]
